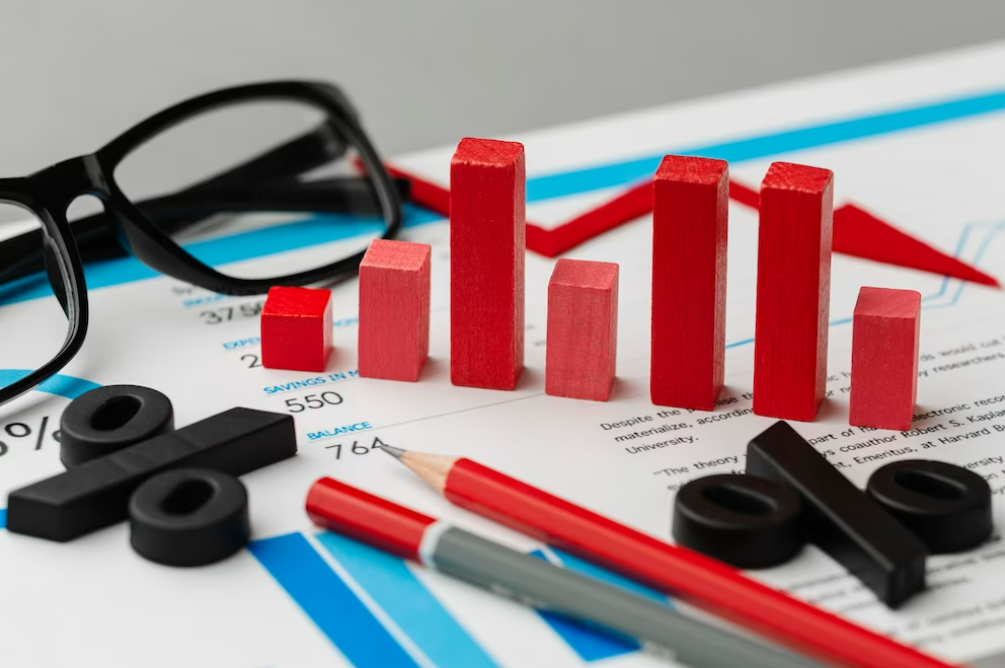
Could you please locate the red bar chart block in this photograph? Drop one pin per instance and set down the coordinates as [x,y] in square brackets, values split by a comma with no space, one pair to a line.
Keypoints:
[884,359]
[690,203]
[296,329]
[487,247]
[582,330]
[394,310]
[793,291]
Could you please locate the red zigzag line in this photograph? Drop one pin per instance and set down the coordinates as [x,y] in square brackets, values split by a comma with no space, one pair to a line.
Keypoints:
[856,232]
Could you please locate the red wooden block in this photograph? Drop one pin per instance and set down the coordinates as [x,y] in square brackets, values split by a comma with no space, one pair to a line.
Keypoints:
[296,329]
[884,359]
[487,240]
[582,330]
[394,310]
[793,291]
[690,209]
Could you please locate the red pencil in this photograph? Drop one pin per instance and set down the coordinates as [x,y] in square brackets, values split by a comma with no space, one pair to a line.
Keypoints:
[687,575]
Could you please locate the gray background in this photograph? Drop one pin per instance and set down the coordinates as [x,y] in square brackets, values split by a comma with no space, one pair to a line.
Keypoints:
[426,72]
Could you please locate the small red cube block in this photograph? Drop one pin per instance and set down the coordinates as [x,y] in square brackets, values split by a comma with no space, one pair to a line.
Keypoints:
[394,310]
[582,330]
[884,359]
[296,329]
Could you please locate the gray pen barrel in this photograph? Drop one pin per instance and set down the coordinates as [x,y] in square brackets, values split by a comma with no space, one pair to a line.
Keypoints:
[544,586]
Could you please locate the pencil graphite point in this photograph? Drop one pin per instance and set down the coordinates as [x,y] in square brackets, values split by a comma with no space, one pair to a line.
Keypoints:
[393,451]
[434,469]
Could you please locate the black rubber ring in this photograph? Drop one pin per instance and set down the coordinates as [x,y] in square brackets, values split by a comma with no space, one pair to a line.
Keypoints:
[189,517]
[106,419]
[947,506]
[743,520]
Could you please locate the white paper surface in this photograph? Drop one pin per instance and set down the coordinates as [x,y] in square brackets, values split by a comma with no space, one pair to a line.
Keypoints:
[94,602]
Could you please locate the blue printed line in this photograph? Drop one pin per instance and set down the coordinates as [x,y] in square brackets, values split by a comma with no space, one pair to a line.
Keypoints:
[996,228]
[329,602]
[315,230]
[737,344]
[391,583]
[3,518]
[592,644]
[70,387]
[752,148]
[574,563]
[978,256]
[253,244]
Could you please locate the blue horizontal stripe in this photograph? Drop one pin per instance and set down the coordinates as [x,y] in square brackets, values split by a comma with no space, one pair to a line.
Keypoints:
[260,243]
[70,387]
[574,563]
[253,244]
[329,602]
[3,518]
[752,148]
[591,644]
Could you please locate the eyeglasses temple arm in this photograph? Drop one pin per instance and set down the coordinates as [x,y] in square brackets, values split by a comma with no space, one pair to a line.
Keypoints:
[94,235]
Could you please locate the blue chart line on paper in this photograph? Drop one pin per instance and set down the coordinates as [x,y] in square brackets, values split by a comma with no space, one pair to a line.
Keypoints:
[327,228]
[70,387]
[325,597]
[589,644]
[387,589]
[950,290]
[295,235]
[752,148]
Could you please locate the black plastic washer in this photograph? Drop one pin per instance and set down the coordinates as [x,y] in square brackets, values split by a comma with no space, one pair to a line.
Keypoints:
[189,517]
[743,520]
[947,506]
[106,419]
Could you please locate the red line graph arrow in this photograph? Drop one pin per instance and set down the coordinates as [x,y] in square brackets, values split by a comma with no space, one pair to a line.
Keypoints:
[857,232]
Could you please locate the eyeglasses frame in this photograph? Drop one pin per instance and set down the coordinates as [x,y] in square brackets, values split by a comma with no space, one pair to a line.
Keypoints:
[48,194]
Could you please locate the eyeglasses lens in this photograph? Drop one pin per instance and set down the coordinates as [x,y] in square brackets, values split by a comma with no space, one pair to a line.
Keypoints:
[240,184]
[33,323]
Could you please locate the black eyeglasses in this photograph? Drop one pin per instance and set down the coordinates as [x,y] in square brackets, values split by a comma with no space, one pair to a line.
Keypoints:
[261,169]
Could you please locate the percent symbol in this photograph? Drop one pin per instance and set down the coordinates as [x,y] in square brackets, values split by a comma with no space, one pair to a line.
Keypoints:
[24,430]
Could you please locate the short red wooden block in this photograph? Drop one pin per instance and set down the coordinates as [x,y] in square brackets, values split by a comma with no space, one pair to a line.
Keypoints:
[793,291]
[690,204]
[394,310]
[582,330]
[884,359]
[296,329]
[487,247]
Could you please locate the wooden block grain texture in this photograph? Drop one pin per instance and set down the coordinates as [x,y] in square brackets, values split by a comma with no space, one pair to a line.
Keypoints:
[394,310]
[690,204]
[582,330]
[793,291]
[487,248]
[296,329]
[884,360]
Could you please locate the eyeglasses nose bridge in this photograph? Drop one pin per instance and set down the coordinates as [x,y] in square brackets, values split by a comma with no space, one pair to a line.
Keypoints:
[59,185]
